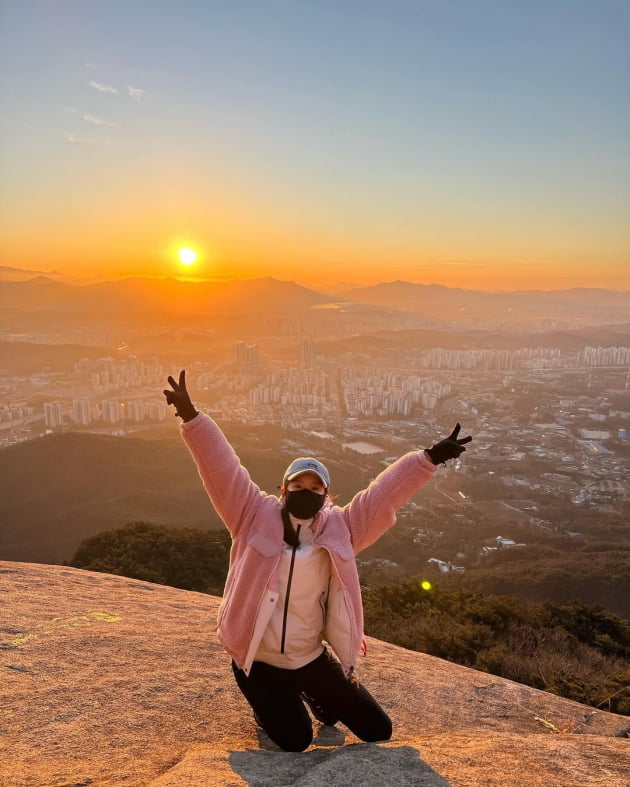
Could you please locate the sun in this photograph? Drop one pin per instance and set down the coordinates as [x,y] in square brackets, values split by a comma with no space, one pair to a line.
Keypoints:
[187,256]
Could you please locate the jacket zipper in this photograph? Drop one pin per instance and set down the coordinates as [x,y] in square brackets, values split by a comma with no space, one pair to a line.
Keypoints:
[286,599]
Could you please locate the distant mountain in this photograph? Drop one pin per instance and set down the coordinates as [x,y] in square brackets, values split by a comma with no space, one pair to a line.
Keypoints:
[455,303]
[42,304]
[30,358]
[10,273]
[161,299]
[465,339]
[38,293]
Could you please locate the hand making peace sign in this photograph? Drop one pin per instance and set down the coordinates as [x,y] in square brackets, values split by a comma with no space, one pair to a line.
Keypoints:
[179,397]
[449,448]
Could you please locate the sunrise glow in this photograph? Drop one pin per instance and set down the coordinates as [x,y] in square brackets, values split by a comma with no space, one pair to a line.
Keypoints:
[309,161]
[187,256]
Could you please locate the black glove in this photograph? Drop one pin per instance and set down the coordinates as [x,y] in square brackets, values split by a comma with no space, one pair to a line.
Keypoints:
[179,397]
[449,448]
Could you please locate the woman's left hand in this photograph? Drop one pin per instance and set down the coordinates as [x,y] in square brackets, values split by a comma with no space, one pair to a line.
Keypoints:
[449,448]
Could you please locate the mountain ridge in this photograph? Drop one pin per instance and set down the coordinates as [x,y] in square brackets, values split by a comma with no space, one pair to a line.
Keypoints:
[42,300]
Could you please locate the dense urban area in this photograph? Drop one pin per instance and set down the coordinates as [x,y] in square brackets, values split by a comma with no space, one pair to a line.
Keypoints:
[513,559]
[550,427]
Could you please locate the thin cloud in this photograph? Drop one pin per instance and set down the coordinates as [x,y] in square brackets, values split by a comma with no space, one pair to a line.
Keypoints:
[78,139]
[73,138]
[135,92]
[103,88]
[93,120]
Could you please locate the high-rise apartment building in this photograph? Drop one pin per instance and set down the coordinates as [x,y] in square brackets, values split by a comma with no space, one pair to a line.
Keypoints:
[251,358]
[307,354]
[82,411]
[111,411]
[239,353]
[134,410]
[245,357]
[53,415]
[156,411]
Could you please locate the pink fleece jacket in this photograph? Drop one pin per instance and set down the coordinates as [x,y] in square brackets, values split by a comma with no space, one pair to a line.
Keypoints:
[255,524]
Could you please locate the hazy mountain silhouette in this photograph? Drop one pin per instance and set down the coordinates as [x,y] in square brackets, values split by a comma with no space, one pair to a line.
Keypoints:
[426,339]
[40,292]
[12,273]
[420,297]
[30,357]
[41,301]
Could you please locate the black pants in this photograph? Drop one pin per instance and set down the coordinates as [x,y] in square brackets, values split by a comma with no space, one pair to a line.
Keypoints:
[277,698]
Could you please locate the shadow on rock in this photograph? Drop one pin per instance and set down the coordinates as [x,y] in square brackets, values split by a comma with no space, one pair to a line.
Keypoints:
[324,736]
[364,764]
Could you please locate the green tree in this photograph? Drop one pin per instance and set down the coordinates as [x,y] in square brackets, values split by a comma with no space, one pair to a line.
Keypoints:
[182,558]
[573,650]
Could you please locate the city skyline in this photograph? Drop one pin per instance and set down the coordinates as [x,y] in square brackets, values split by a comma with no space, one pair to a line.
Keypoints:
[472,145]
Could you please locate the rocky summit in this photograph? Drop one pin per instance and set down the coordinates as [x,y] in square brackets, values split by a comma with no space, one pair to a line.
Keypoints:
[112,681]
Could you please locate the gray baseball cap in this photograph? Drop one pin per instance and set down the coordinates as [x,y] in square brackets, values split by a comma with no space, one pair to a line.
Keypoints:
[306,464]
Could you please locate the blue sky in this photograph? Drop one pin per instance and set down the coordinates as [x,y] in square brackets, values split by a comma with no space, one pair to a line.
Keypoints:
[408,138]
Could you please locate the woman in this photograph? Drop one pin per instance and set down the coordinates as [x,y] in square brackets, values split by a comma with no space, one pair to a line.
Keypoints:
[293,583]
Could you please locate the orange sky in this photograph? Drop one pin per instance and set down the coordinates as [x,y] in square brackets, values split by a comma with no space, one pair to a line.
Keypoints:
[88,252]
[470,149]
[134,225]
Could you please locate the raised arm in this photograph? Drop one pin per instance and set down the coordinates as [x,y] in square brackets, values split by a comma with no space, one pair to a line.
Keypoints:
[373,511]
[232,492]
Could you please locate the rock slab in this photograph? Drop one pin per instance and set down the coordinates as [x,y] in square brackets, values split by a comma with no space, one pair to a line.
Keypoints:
[106,680]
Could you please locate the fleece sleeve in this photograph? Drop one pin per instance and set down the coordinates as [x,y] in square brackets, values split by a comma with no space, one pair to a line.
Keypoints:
[373,511]
[232,492]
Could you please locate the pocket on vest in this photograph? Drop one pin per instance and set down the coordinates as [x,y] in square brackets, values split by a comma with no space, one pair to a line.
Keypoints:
[262,544]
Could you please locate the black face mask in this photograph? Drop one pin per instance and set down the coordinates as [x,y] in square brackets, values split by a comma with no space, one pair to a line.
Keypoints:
[303,503]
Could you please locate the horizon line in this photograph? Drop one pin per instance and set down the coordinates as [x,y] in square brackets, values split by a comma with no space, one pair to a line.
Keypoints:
[79,281]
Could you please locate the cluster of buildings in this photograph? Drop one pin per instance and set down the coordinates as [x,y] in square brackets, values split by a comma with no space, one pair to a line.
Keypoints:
[370,393]
[306,386]
[246,358]
[101,375]
[490,360]
[604,356]
[449,567]
[263,382]
[257,387]
[100,392]
[13,412]
[86,405]
[85,412]
[523,358]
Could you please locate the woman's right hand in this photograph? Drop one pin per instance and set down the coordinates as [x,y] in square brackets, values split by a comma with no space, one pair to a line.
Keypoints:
[180,399]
